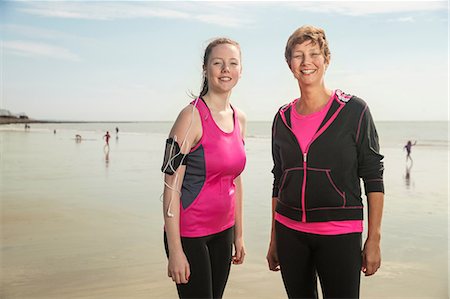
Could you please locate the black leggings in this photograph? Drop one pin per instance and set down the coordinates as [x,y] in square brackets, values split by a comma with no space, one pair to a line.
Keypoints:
[336,260]
[209,260]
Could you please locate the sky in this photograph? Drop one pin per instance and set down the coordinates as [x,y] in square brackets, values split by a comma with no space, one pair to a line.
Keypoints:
[138,61]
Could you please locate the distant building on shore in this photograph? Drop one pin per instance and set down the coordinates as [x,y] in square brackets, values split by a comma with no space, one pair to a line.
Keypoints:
[8,114]
[5,113]
[22,115]
[6,117]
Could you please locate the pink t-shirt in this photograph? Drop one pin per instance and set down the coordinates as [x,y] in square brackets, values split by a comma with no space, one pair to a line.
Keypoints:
[304,128]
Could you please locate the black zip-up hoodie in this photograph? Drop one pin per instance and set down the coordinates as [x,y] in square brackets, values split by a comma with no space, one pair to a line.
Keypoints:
[322,181]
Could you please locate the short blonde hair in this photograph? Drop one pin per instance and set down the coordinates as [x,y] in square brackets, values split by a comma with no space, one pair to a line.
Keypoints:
[307,33]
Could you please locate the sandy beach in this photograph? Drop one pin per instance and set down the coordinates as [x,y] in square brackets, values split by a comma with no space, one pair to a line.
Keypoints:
[80,222]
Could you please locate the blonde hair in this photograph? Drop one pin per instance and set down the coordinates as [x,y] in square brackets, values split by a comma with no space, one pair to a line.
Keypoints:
[307,33]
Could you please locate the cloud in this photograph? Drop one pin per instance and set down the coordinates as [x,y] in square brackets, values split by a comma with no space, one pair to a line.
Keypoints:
[33,32]
[402,20]
[26,48]
[362,8]
[100,11]
[210,13]
[223,21]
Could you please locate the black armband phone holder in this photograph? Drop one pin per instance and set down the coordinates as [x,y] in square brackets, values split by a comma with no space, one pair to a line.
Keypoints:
[173,157]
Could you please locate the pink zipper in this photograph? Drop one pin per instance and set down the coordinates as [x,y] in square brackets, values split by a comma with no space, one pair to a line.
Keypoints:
[304,186]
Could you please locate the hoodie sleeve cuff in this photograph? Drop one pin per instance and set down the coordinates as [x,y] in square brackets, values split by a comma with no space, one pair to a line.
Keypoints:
[275,192]
[373,185]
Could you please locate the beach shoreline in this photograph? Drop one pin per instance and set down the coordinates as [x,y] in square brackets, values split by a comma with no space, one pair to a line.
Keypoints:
[16,120]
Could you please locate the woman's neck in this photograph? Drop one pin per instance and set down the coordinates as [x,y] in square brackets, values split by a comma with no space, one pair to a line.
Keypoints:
[313,99]
[216,101]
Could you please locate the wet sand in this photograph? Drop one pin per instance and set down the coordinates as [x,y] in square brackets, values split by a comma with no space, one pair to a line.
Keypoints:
[77,225]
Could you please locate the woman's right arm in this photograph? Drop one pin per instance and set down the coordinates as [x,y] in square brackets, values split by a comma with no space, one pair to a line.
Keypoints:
[272,254]
[187,130]
[178,268]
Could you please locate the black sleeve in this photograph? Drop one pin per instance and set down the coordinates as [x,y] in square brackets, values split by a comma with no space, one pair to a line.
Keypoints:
[276,170]
[370,165]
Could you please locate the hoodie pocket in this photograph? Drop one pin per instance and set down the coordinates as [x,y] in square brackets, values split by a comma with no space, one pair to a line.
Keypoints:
[322,191]
[290,191]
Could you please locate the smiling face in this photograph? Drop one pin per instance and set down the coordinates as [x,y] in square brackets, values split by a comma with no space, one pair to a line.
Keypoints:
[223,68]
[308,63]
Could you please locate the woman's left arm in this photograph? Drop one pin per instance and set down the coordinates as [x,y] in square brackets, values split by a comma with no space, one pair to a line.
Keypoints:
[239,255]
[370,169]
[371,255]
[239,248]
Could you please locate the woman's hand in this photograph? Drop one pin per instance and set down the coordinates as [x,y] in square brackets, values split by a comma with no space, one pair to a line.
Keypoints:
[178,267]
[272,257]
[371,254]
[239,251]
[371,257]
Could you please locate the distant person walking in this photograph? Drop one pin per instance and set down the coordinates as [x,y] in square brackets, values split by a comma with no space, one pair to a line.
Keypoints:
[117,130]
[408,147]
[107,136]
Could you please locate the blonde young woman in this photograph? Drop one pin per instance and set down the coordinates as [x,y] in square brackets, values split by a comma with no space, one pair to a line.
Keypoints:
[323,144]
[203,193]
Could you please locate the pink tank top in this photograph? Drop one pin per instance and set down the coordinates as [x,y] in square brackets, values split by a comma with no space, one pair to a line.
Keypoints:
[208,190]
[304,128]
